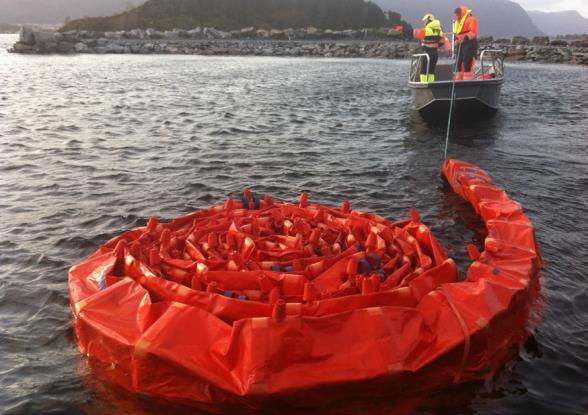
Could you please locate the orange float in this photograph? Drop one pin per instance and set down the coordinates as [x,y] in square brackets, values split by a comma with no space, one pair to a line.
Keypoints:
[255,301]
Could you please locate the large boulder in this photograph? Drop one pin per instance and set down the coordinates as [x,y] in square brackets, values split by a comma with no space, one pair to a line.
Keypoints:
[136,34]
[153,34]
[72,36]
[519,40]
[212,33]
[248,32]
[381,32]
[81,48]
[583,43]
[349,33]
[313,32]
[170,35]
[394,34]
[289,33]
[45,39]
[182,34]
[558,42]
[276,34]
[368,33]
[147,48]
[541,40]
[113,35]
[90,34]
[300,33]
[22,48]
[26,36]
[116,48]
[221,34]
[580,58]
[224,35]
[195,33]
[65,47]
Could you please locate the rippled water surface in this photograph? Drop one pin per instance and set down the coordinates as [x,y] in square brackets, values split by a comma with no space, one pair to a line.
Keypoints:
[93,145]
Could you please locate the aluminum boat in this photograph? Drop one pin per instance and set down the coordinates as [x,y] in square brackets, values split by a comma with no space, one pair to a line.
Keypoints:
[473,98]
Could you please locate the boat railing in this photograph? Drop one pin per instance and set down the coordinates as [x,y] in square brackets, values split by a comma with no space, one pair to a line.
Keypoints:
[491,64]
[416,62]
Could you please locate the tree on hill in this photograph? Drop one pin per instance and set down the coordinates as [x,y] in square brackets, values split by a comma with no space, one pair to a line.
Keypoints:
[236,14]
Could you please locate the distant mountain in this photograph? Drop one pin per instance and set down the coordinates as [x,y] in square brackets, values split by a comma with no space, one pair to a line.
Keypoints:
[56,11]
[237,14]
[498,18]
[568,22]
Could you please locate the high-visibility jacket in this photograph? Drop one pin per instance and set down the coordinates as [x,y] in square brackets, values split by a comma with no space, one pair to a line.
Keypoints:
[466,25]
[431,35]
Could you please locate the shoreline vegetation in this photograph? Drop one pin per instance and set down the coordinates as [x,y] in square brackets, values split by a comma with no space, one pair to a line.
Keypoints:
[230,15]
[363,43]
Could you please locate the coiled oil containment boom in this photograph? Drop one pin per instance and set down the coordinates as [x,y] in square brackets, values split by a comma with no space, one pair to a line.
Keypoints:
[255,300]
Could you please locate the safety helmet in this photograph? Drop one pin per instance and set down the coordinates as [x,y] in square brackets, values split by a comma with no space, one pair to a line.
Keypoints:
[428,17]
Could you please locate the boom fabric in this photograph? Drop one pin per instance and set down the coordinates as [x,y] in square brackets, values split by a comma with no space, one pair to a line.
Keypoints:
[256,300]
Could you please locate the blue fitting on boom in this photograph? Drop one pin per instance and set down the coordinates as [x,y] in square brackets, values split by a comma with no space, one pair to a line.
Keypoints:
[377,259]
[242,297]
[364,267]
[276,268]
[228,294]
[288,269]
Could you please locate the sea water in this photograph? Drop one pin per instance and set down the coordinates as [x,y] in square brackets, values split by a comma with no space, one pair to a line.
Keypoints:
[93,145]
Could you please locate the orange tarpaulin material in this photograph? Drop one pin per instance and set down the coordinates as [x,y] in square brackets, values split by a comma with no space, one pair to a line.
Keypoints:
[256,299]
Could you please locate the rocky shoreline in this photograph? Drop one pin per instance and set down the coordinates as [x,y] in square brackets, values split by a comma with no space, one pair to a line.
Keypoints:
[366,43]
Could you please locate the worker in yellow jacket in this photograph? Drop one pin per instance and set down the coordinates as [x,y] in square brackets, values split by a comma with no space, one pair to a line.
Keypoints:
[432,38]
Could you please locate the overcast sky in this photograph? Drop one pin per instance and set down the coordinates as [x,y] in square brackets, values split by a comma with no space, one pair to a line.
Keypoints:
[556,5]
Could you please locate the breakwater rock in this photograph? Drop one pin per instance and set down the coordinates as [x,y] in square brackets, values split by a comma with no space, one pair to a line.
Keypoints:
[209,41]
[365,43]
[540,49]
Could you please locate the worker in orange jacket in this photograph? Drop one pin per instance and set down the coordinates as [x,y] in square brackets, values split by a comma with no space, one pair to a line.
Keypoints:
[465,30]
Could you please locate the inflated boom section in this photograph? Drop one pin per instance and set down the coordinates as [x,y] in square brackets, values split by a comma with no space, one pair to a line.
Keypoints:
[256,300]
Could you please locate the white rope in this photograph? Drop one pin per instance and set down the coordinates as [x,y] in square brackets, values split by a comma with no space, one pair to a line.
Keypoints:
[451,103]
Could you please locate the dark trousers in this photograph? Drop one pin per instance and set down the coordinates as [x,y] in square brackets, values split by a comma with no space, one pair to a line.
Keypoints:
[467,53]
[433,57]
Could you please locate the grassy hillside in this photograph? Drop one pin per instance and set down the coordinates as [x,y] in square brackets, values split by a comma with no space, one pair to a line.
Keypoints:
[236,14]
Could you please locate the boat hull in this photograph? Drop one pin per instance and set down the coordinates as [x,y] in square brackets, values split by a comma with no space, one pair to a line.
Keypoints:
[473,99]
